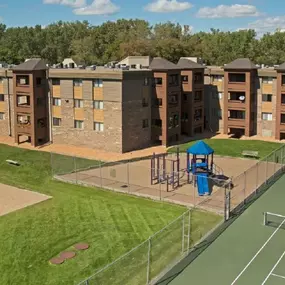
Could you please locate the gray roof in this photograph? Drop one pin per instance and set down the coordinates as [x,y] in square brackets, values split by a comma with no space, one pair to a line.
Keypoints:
[281,67]
[185,63]
[31,65]
[159,63]
[242,64]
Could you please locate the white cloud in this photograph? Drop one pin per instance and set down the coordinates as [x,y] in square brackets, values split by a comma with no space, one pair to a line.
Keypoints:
[98,7]
[268,25]
[224,11]
[167,6]
[72,3]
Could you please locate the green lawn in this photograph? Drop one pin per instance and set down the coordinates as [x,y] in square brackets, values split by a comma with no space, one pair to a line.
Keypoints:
[111,223]
[234,147]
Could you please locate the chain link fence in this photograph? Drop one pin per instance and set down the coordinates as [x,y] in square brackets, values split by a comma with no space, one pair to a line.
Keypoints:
[161,251]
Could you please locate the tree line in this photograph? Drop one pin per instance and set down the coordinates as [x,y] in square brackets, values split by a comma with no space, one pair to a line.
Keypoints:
[110,41]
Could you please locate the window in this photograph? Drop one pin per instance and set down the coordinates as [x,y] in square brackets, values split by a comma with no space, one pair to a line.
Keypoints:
[157,102]
[282,118]
[266,97]
[282,99]
[219,113]
[144,102]
[267,80]
[184,78]
[55,81]
[145,123]
[40,101]
[98,104]
[198,78]
[42,123]
[1,116]
[173,121]
[173,80]
[197,115]
[97,83]
[98,126]
[184,117]
[283,79]
[23,119]
[78,124]
[237,77]
[146,81]
[56,102]
[22,80]
[218,78]
[23,100]
[38,81]
[78,103]
[173,99]
[77,82]
[156,123]
[56,122]
[234,114]
[266,116]
[2,97]
[158,81]
[237,96]
[198,96]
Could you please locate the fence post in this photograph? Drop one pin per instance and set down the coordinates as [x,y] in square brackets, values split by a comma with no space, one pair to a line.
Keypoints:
[128,176]
[189,231]
[51,164]
[244,188]
[266,171]
[148,262]
[257,173]
[183,233]
[101,179]
[160,191]
[75,168]
[87,282]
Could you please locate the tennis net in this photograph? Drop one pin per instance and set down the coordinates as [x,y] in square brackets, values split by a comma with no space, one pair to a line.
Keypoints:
[274,220]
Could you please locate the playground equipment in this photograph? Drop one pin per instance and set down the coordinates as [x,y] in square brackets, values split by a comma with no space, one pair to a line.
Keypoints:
[159,170]
[201,168]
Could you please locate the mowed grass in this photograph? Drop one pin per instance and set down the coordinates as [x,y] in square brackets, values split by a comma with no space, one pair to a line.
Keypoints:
[111,223]
[234,147]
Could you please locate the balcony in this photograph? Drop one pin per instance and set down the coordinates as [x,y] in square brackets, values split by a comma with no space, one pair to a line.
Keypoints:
[237,81]
[23,101]
[24,123]
[236,100]
[236,119]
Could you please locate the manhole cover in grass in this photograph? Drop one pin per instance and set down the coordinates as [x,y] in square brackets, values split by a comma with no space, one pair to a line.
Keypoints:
[82,246]
[57,260]
[124,186]
[67,254]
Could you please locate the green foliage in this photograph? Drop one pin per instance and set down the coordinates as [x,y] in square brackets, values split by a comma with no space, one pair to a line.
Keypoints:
[114,40]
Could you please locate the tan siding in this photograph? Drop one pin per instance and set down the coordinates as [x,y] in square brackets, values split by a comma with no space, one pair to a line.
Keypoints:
[56,111]
[112,91]
[266,107]
[1,88]
[99,116]
[87,90]
[56,91]
[79,114]
[77,91]
[98,93]
[267,89]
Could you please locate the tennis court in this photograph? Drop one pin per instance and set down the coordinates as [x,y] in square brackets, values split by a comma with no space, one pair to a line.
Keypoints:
[250,251]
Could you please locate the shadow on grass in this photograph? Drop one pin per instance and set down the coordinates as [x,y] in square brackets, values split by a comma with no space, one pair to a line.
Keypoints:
[200,247]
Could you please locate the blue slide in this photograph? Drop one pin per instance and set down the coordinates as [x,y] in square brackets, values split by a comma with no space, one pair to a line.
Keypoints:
[203,184]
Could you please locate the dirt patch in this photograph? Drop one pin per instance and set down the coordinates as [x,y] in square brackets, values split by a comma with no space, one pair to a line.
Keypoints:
[12,199]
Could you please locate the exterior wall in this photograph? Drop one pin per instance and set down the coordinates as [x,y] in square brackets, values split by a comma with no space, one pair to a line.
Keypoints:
[134,112]
[280,108]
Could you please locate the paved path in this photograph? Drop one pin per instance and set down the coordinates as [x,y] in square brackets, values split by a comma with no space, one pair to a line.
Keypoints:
[12,198]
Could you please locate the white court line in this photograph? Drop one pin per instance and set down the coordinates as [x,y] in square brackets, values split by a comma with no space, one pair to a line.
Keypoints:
[237,278]
[270,273]
[276,275]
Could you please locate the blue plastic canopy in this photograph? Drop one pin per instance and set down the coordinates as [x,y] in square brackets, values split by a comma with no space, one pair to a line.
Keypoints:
[200,148]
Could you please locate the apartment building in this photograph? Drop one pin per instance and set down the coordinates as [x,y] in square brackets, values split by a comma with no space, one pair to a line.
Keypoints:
[257,116]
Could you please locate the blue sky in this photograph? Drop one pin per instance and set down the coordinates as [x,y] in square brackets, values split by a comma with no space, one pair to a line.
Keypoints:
[199,14]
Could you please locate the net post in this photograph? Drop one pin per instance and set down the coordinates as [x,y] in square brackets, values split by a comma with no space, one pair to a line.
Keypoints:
[265,218]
